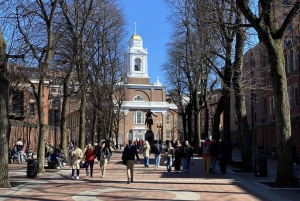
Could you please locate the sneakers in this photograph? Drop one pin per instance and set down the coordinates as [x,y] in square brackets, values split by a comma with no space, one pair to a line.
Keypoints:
[87,176]
[131,180]
[102,176]
[107,162]
[77,177]
[128,182]
[72,177]
[58,168]
[169,172]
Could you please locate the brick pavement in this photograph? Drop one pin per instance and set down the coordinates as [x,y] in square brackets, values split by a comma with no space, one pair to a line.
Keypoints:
[149,184]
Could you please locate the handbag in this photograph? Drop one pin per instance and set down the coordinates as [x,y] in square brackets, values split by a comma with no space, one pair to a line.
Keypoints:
[82,164]
[173,163]
[192,162]
[111,149]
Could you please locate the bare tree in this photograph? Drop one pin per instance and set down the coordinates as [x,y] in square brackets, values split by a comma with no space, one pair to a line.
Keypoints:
[35,23]
[271,34]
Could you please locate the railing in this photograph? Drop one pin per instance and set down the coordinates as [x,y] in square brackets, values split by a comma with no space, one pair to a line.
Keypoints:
[147,104]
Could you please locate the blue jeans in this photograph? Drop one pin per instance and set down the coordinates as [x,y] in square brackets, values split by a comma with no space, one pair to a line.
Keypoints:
[186,163]
[91,165]
[146,161]
[169,164]
[110,155]
[213,164]
[157,160]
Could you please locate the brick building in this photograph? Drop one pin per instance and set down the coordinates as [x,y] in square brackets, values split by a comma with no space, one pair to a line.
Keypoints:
[142,96]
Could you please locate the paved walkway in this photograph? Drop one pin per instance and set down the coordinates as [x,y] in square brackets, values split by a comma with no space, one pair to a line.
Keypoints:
[149,184]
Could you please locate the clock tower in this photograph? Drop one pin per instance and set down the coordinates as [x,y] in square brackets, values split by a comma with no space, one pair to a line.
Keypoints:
[137,61]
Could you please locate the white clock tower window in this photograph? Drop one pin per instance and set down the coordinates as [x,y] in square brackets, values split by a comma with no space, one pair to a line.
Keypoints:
[137,64]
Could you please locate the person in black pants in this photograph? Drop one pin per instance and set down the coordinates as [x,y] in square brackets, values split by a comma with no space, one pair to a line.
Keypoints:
[178,155]
[222,157]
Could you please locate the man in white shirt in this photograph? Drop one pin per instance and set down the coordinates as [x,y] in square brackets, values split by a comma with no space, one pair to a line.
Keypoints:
[19,145]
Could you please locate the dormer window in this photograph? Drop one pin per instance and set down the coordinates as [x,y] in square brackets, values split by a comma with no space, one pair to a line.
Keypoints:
[138,98]
[137,64]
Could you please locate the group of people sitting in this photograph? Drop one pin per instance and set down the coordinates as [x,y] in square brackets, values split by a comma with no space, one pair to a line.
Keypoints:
[54,155]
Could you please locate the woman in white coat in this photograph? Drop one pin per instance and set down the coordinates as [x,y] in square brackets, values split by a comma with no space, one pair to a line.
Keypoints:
[76,157]
[146,153]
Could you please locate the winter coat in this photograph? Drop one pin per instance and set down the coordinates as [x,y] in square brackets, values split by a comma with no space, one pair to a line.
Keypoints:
[90,155]
[146,150]
[77,156]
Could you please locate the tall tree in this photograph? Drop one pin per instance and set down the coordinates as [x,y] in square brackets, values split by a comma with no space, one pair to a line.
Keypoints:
[4,124]
[35,23]
[271,34]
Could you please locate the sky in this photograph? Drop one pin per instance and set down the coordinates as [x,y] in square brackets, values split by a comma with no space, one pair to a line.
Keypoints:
[151,24]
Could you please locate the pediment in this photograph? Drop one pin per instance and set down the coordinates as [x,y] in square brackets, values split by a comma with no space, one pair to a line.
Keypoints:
[138,52]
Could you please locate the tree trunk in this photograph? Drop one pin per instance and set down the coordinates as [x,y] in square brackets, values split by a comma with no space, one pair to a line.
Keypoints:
[241,102]
[94,129]
[42,128]
[63,119]
[196,122]
[4,123]
[216,128]
[285,173]
[82,125]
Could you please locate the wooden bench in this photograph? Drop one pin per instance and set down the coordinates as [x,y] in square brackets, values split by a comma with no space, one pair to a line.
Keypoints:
[12,159]
[52,165]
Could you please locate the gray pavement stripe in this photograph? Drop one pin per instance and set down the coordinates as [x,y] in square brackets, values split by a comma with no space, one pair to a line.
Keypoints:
[257,188]
[20,189]
[91,195]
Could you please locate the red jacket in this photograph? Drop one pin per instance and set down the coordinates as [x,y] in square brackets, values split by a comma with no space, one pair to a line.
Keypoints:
[90,155]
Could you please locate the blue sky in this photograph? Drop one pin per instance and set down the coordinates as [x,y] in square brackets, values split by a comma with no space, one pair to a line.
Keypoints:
[152,26]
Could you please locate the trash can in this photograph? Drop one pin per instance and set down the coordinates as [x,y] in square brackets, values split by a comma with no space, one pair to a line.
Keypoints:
[32,168]
[260,167]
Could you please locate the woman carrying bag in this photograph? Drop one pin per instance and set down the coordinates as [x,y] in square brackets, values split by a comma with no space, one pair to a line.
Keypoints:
[76,157]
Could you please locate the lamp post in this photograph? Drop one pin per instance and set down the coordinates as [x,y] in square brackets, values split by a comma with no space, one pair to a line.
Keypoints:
[184,124]
[212,124]
[161,127]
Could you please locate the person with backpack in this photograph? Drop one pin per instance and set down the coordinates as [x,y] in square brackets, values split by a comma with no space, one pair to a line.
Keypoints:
[206,156]
[128,158]
[157,150]
[19,145]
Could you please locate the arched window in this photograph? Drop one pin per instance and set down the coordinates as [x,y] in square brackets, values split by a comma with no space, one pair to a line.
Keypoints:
[137,64]
[138,98]
[139,117]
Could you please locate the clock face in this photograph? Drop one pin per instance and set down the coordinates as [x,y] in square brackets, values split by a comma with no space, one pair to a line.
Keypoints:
[137,43]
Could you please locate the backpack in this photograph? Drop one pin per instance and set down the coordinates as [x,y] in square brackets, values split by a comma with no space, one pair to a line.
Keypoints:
[156,149]
[206,150]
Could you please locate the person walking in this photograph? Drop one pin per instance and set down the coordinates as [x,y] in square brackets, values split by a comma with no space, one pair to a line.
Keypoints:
[169,154]
[187,153]
[214,155]
[112,148]
[128,155]
[145,150]
[157,148]
[89,156]
[76,157]
[178,155]
[206,156]
[222,157]
[19,145]
[102,157]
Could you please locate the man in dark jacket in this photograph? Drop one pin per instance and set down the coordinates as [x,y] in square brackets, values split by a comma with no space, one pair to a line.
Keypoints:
[187,156]
[129,154]
[157,148]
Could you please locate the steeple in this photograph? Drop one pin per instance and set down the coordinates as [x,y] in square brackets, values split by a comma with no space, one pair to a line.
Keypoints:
[136,57]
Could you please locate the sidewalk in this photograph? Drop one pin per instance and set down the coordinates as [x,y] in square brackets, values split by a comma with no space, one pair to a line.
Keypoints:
[149,184]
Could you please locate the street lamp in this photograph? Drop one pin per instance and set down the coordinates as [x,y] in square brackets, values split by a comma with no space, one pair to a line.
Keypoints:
[161,127]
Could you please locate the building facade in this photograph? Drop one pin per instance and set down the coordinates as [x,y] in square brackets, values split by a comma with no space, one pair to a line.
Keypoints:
[142,96]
